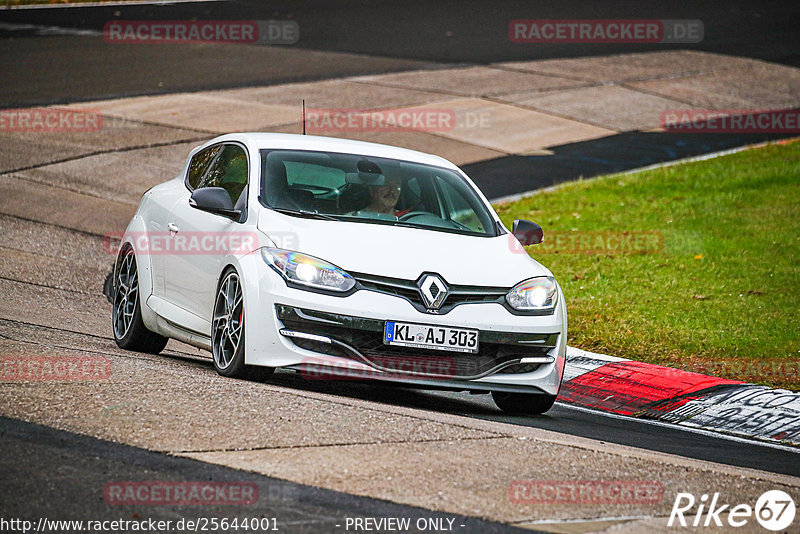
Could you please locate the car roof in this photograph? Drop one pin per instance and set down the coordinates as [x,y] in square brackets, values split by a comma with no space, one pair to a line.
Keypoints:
[261,140]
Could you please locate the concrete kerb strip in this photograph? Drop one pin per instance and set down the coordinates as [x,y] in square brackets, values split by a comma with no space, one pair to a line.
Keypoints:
[687,399]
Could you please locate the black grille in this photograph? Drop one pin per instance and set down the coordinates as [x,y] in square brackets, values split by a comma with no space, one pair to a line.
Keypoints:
[408,290]
[399,288]
[366,337]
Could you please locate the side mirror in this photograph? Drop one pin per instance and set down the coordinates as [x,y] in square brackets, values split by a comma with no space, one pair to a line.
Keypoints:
[527,232]
[214,200]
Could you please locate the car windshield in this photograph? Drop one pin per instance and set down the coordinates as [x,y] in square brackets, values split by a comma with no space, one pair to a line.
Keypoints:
[369,189]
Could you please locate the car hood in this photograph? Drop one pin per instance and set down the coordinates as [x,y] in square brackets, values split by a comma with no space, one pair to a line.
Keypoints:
[405,253]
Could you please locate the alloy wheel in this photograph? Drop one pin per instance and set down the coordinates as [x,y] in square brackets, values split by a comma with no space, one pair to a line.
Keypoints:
[228,322]
[126,296]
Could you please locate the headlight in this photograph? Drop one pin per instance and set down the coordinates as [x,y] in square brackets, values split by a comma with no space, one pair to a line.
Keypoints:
[308,271]
[536,294]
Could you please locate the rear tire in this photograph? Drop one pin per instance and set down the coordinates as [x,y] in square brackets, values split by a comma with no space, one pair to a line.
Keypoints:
[130,333]
[227,332]
[523,403]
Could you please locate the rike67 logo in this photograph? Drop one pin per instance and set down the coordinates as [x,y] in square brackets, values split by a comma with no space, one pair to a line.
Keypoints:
[774,510]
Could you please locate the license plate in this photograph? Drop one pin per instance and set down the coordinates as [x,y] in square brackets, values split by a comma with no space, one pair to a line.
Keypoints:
[422,336]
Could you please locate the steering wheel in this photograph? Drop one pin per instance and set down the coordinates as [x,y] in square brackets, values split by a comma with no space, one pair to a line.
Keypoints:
[412,214]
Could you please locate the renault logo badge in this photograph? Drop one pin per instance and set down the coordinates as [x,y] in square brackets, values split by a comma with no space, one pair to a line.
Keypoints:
[433,291]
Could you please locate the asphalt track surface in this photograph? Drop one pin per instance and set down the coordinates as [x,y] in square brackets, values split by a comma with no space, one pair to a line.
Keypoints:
[72,470]
[343,38]
[44,65]
[49,471]
[61,475]
[511,175]
[567,419]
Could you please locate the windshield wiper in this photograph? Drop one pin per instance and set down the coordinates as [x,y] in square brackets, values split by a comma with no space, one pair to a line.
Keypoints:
[405,224]
[305,213]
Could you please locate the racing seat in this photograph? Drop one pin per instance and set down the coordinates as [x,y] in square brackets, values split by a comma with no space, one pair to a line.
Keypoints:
[279,194]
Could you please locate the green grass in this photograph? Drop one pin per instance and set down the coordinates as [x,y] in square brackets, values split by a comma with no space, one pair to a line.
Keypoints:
[723,294]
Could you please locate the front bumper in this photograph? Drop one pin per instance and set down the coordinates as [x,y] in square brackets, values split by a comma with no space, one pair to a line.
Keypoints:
[360,339]
[309,332]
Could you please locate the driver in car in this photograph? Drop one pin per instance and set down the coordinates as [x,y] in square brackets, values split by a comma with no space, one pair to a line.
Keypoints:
[383,199]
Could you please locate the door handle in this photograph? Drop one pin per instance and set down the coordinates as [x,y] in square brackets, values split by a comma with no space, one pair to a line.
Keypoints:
[173,228]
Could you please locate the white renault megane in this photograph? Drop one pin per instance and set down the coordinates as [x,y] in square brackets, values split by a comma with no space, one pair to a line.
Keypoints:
[340,259]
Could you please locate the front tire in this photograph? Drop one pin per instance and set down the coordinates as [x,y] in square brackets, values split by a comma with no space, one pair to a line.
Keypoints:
[227,332]
[130,333]
[523,403]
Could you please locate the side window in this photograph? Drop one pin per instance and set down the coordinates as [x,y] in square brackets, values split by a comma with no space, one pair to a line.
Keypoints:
[199,164]
[458,208]
[228,171]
